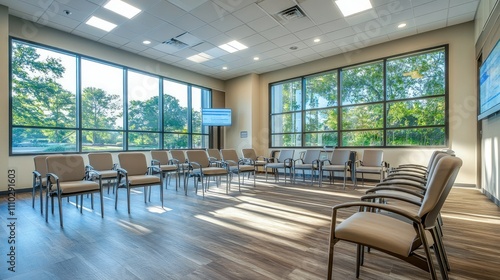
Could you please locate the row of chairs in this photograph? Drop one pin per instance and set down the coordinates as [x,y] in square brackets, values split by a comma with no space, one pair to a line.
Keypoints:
[66,175]
[310,160]
[401,215]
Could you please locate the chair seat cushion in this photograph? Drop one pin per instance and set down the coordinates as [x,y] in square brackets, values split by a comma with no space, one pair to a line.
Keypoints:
[379,231]
[369,169]
[77,186]
[243,168]
[105,174]
[143,180]
[333,167]
[211,171]
[305,166]
[276,165]
[168,167]
[260,162]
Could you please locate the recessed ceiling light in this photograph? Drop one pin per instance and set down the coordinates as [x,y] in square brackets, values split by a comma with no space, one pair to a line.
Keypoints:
[224,68]
[146,42]
[233,46]
[350,7]
[199,58]
[122,8]
[402,25]
[317,40]
[256,58]
[101,24]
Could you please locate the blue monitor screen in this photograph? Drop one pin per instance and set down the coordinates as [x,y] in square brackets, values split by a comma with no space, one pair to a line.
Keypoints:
[216,117]
[489,84]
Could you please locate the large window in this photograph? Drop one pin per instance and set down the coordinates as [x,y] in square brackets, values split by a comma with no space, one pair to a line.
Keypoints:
[63,102]
[393,102]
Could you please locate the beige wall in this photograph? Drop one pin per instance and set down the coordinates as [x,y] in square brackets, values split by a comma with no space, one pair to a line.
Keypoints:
[27,30]
[462,93]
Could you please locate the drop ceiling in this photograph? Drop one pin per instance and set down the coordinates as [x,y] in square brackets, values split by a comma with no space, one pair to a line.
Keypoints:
[279,41]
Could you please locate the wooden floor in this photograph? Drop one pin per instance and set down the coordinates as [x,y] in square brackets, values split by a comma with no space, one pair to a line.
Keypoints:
[270,231]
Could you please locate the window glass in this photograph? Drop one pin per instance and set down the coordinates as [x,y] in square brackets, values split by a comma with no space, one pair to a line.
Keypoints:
[321,90]
[363,138]
[363,117]
[416,75]
[102,140]
[286,97]
[286,140]
[143,141]
[420,112]
[143,93]
[175,141]
[321,139]
[286,123]
[36,140]
[175,104]
[432,136]
[362,84]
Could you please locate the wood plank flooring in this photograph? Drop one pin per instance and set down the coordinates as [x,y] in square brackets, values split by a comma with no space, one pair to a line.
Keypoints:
[270,231]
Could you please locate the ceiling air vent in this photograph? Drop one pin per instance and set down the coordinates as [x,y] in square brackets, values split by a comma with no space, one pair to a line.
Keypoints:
[176,44]
[289,14]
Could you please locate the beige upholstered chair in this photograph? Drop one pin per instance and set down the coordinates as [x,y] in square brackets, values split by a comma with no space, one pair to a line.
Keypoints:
[39,179]
[394,236]
[372,163]
[134,172]
[214,156]
[103,163]
[338,162]
[179,157]
[310,161]
[161,159]
[237,165]
[284,161]
[200,168]
[250,155]
[66,176]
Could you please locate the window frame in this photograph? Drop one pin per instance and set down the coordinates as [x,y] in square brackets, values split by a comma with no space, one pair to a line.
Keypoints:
[339,106]
[79,129]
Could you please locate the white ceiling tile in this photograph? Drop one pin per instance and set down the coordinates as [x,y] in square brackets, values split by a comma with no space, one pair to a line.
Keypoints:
[274,52]
[331,52]
[286,40]
[430,7]
[298,45]
[209,12]
[260,48]
[187,5]
[203,47]
[86,35]
[402,33]
[362,17]
[90,30]
[164,32]
[241,31]
[249,13]
[232,5]
[253,40]
[220,39]
[147,19]
[59,27]
[275,32]
[226,23]
[110,37]
[66,22]
[274,6]
[462,9]
[333,25]
[188,22]
[321,11]
[302,52]
[206,32]
[166,11]
[311,57]
[388,9]
[454,3]
[262,23]
[299,24]
[323,47]
[83,6]
[340,34]
[309,33]
[140,4]
[152,53]
[136,46]
[428,18]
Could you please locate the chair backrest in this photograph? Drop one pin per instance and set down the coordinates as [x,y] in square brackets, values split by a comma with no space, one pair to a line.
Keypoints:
[101,161]
[41,164]
[373,157]
[134,163]
[198,156]
[340,157]
[285,154]
[438,187]
[311,155]
[249,153]
[178,155]
[229,154]
[161,156]
[434,162]
[214,153]
[66,167]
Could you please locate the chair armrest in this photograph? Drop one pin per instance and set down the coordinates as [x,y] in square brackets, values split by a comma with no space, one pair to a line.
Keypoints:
[37,174]
[153,170]
[402,184]
[395,189]
[53,176]
[390,208]
[288,162]
[89,167]
[115,166]
[91,174]
[155,162]
[316,163]
[373,196]
[296,160]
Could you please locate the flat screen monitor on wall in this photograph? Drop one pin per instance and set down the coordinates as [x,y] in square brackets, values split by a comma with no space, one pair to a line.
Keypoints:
[216,117]
[489,84]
